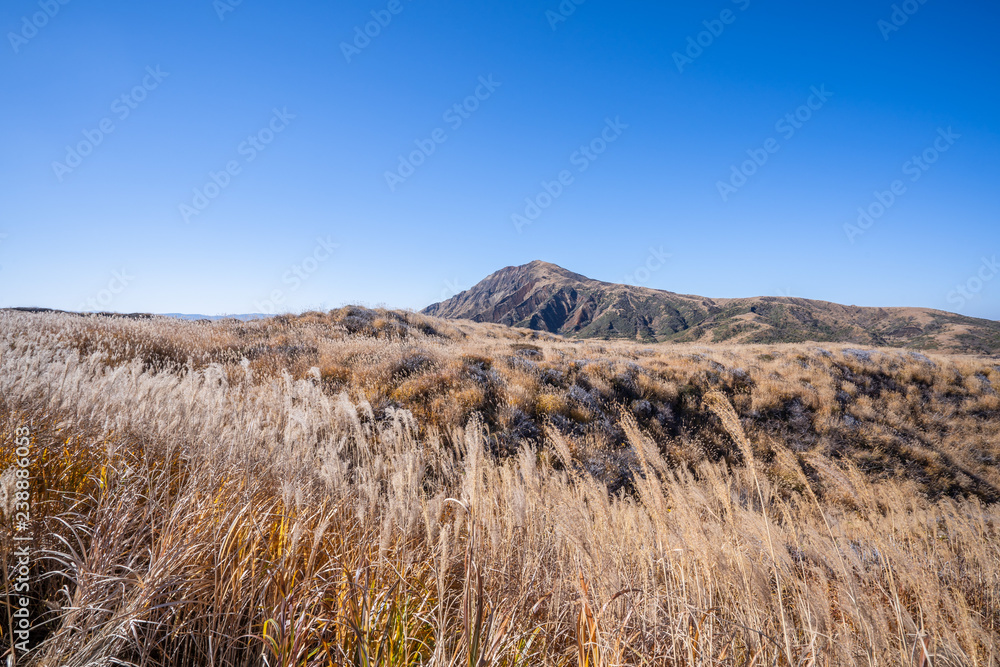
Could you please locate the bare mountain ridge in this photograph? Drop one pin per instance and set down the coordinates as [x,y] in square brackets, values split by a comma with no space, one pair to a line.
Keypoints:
[547,297]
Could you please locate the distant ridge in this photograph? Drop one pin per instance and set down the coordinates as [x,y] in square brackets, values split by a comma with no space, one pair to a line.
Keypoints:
[179,316]
[244,317]
[547,297]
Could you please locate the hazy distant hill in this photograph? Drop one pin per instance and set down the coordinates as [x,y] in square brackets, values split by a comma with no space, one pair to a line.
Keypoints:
[179,316]
[244,317]
[546,297]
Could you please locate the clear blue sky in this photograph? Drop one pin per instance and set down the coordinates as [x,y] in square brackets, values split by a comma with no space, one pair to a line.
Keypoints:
[200,77]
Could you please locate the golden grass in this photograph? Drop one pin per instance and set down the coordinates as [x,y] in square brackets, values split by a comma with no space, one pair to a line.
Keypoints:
[377,488]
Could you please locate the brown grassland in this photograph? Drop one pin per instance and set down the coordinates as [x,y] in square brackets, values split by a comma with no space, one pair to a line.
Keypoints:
[369,488]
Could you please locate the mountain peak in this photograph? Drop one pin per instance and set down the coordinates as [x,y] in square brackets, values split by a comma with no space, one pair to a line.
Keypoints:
[540,268]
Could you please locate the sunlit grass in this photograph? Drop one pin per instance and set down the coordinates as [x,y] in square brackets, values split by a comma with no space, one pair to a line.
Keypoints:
[365,488]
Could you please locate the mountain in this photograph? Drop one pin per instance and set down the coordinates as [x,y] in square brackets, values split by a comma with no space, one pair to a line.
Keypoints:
[546,297]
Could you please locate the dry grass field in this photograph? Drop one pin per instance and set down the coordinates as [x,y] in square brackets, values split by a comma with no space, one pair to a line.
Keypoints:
[379,488]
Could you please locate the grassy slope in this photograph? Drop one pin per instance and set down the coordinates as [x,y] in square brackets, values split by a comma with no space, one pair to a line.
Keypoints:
[281,486]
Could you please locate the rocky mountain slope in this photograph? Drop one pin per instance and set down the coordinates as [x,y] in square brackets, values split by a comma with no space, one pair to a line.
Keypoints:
[546,297]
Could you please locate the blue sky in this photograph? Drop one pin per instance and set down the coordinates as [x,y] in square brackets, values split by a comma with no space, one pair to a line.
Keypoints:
[254,156]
